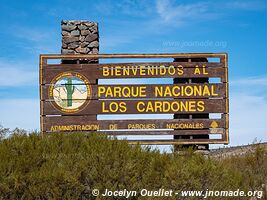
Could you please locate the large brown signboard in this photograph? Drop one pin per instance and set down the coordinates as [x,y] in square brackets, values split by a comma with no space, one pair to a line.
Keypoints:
[71,99]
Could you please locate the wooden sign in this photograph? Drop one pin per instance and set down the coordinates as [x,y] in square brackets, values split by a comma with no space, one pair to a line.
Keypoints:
[71,99]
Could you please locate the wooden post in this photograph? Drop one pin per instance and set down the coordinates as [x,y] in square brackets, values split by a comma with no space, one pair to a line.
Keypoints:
[193,116]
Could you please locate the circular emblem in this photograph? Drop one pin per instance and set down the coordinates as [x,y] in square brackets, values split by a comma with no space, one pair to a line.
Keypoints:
[70,92]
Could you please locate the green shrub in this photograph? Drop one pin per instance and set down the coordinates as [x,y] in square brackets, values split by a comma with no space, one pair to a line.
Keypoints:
[59,166]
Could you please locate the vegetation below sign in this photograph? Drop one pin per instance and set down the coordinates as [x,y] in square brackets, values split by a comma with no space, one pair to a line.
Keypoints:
[70,166]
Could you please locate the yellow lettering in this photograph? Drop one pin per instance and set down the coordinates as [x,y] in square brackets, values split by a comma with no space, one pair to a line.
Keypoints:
[142,91]
[113,126]
[158,91]
[100,90]
[180,70]
[105,71]
[176,91]
[213,93]
[204,70]
[123,107]
[197,70]
[118,71]
[192,106]
[142,70]
[206,91]
[171,70]
[104,110]
[167,92]
[162,70]
[201,106]
[139,105]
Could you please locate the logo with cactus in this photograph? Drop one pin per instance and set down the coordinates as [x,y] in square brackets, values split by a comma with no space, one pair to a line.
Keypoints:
[70,92]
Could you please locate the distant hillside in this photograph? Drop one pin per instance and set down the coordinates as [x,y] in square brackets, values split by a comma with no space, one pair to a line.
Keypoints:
[237,150]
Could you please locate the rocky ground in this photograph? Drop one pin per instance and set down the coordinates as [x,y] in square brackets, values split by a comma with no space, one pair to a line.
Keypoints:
[235,151]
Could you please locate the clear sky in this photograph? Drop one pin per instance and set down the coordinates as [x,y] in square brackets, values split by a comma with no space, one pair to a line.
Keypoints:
[29,28]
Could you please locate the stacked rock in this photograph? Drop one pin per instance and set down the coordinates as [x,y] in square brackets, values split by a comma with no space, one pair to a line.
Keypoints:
[79,37]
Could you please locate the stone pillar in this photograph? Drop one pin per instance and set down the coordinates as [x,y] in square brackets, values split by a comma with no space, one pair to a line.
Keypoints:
[193,116]
[79,37]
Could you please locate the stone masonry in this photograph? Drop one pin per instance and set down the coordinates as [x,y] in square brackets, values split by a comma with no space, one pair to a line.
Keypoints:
[79,37]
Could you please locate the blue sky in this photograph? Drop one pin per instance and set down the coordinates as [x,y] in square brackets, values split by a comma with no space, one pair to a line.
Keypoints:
[29,28]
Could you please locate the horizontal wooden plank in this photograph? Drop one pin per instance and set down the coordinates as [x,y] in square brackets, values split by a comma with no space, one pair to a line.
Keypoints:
[180,141]
[142,91]
[155,55]
[149,132]
[161,132]
[94,66]
[85,123]
[181,106]
[50,75]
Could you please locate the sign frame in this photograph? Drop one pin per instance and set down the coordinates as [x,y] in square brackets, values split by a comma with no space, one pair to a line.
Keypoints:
[223,57]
